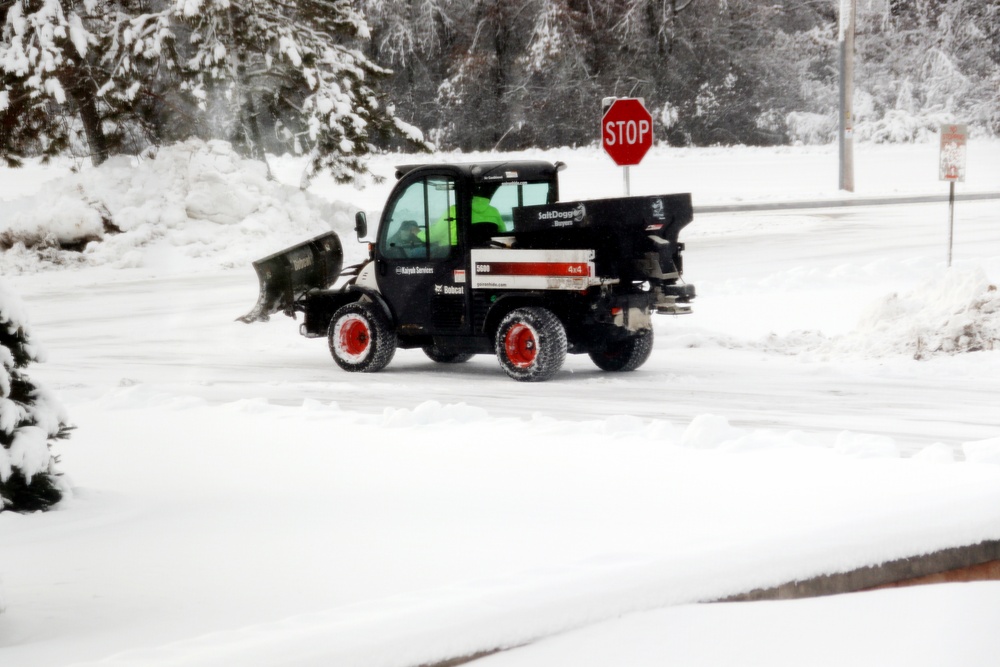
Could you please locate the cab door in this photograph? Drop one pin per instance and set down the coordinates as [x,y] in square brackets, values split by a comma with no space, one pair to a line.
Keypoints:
[422,275]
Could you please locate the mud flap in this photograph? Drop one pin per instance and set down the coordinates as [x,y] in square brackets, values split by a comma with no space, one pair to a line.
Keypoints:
[287,275]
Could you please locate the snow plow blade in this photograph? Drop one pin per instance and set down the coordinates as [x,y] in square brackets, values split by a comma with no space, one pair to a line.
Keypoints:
[287,275]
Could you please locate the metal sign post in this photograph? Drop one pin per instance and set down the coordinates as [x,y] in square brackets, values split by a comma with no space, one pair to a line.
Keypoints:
[951,168]
[626,132]
[848,9]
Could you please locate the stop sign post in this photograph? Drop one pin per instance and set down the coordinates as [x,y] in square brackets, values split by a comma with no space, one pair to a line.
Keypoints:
[626,133]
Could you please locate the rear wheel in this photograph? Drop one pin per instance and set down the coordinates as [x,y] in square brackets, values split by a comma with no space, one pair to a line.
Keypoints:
[624,355]
[530,344]
[361,338]
[434,353]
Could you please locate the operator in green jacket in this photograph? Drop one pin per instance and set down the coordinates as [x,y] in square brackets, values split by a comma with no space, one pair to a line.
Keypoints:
[444,232]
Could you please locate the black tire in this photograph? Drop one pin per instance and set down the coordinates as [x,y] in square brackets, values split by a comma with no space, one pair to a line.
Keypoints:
[625,355]
[434,353]
[530,344]
[361,338]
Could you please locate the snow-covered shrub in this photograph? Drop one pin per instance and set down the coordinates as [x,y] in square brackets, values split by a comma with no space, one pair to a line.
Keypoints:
[30,418]
[811,128]
[907,121]
[897,126]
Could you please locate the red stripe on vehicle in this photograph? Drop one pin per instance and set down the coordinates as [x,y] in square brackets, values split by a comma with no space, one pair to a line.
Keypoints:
[532,269]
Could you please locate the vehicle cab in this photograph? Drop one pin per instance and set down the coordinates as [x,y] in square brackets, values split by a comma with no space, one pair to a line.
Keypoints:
[434,216]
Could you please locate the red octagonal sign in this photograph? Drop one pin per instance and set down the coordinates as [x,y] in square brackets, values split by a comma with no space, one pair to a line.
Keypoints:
[627,131]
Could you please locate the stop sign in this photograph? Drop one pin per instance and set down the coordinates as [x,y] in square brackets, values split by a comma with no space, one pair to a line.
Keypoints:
[627,131]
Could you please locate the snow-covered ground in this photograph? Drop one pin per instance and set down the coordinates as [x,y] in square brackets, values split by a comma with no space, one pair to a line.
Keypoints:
[238,500]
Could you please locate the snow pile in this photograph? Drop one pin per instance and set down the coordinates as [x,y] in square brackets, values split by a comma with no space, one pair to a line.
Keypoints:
[953,313]
[193,200]
[716,432]
[983,451]
[708,431]
[517,534]
[956,312]
[919,626]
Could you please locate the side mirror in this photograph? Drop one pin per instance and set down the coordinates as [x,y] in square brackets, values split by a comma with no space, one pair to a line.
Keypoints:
[361,224]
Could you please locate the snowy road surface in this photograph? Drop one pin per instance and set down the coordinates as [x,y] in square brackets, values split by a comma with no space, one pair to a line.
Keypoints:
[777,297]
[239,500]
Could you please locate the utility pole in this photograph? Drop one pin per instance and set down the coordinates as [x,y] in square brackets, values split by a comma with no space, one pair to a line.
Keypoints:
[848,9]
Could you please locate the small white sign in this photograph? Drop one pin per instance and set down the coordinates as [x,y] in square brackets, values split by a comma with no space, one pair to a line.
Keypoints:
[953,142]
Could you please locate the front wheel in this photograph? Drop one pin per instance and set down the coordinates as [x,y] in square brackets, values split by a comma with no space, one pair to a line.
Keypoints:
[530,344]
[624,355]
[361,338]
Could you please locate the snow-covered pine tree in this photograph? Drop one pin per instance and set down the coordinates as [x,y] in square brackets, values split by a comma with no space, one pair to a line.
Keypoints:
[419,41]
[292,77]
[75,72]
[268,76]
[30,418]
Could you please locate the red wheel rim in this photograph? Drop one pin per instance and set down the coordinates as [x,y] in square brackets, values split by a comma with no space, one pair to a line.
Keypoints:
[354,337]
[521,345]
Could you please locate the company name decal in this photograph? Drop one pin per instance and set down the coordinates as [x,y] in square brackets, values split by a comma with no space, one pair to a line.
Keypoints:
[413,270]
[506,176]
[448,289]
[564,218]
[302,263]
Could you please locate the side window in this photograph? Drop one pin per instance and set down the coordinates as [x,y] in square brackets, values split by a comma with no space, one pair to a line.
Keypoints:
[421,223]
[511,195]
[442,228]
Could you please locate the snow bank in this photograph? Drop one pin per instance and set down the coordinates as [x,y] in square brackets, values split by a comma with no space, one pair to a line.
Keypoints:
[952,313]
[983,451]
[194,200]
[949,314]
[506,540]
[922,626]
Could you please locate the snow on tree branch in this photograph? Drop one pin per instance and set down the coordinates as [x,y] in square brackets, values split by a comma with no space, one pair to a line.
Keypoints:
[268,76]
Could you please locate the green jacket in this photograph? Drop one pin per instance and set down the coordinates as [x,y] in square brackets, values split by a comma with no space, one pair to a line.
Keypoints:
[445,230]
